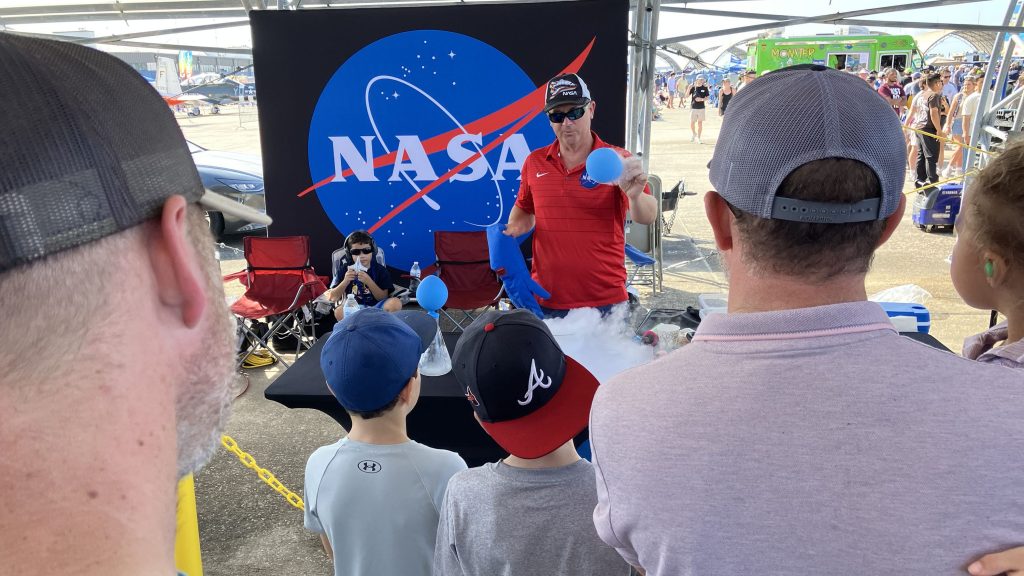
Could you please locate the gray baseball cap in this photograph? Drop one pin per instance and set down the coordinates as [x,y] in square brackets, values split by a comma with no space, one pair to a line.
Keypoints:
[88,149]
[797,115]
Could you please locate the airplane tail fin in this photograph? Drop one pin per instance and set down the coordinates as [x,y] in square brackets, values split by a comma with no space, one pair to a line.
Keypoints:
[167,83]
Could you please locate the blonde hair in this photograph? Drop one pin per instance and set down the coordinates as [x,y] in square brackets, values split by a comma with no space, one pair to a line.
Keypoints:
[996,202]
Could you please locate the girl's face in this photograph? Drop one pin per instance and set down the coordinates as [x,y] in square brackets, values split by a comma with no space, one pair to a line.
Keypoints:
[967,268]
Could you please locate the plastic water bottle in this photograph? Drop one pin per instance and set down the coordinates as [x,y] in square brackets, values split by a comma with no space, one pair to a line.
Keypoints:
[414,277]
[351,306]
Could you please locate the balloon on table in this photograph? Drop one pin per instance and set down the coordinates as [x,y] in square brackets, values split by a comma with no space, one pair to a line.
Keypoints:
[604,165]
[432,294]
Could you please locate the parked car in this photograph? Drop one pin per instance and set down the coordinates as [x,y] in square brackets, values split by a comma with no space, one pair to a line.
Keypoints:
[237,176]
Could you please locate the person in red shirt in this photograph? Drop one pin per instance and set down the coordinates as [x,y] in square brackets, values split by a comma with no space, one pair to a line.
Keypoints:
[579,238]
[892,91]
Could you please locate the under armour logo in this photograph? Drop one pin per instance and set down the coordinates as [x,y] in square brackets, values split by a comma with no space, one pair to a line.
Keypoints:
[369,466]
[536,381]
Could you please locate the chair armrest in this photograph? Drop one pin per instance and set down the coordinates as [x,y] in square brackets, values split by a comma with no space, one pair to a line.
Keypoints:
[241,276]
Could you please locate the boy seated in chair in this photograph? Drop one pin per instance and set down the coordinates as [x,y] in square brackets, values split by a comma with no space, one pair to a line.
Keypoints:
[361,275]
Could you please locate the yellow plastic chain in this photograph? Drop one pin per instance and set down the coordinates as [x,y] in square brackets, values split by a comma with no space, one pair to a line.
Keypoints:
[262,473]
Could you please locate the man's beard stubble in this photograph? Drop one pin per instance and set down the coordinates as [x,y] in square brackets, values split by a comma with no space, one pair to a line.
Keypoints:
[204,399]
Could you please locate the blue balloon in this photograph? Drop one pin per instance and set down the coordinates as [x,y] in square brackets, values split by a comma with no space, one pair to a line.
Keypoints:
[432,293]
[604,166]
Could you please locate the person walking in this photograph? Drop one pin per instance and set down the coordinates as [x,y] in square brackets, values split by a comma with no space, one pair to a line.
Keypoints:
[699,94]
[955,127]
[724,95]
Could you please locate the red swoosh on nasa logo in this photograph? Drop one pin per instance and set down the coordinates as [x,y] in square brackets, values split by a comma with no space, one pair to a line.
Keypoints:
[531,104]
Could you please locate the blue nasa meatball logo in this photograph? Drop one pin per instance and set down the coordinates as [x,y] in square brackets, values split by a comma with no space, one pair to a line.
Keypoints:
[413,131]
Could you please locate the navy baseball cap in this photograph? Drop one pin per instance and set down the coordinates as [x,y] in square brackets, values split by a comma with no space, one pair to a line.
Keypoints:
[370,356]
[769,134]
[530,397]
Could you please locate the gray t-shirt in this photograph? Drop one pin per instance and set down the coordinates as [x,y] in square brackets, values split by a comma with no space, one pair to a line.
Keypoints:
[809,441]
[498,520]
[378,504]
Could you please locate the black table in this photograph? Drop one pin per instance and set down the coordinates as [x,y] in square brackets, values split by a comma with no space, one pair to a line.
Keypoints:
[442,418]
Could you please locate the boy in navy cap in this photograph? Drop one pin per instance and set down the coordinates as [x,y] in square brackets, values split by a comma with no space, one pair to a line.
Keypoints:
[374,495]
[532,512]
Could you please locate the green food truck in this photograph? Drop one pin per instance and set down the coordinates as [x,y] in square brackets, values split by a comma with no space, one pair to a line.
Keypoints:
[871,52]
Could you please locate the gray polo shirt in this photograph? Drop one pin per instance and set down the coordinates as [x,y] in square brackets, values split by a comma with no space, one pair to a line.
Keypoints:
[809,441]
[503,521]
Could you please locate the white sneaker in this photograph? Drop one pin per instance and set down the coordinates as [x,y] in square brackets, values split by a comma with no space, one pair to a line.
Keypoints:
[945,173]
[698,141]
[693,137]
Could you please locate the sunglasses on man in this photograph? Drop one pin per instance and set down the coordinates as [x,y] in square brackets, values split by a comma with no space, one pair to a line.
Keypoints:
[358,251]
[574,114]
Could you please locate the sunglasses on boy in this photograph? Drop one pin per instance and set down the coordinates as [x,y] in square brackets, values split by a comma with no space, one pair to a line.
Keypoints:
[358,251]
[574,114]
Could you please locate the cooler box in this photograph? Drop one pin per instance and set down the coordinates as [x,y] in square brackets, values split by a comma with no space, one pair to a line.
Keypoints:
[917,311]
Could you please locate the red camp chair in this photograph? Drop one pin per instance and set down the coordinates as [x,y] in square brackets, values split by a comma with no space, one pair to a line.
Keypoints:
[464,264]
[280,286]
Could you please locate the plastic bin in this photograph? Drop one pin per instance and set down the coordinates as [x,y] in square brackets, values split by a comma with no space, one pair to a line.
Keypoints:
[924,318]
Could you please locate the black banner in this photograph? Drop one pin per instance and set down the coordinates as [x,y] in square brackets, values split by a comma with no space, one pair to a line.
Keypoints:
[406,121]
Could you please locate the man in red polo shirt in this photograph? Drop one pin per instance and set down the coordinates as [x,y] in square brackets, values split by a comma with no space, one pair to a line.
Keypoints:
[579,242]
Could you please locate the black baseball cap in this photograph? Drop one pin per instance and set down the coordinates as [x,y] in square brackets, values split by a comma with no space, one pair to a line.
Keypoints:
[88,149]
[530,397]
[566,89]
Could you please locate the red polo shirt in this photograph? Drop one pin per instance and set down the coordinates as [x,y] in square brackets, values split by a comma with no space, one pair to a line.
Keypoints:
[579,241]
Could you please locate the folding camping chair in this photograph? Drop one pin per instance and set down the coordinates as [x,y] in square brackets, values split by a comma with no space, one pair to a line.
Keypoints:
[280,285]
[464,264]
[642,271]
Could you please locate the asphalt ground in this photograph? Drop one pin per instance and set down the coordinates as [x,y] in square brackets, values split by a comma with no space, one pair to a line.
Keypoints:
[248,528]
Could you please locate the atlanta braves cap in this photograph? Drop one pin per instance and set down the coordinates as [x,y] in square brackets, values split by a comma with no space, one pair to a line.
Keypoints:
[566,89]
[88,149]
[370,356]
[530,397]
[770,133]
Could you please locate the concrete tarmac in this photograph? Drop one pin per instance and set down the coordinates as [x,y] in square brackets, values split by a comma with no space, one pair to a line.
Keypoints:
[246,528]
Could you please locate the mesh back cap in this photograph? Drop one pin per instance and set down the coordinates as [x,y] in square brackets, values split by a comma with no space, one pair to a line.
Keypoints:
[88,148]
[797,115]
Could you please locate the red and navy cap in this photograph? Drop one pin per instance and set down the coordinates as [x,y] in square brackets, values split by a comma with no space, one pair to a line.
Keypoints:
[566,89]
[530,397]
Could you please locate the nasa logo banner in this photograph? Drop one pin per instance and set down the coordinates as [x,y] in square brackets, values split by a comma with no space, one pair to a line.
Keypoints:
[409,121]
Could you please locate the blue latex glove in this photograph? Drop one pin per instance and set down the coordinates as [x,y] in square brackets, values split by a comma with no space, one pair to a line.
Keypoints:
[507,261]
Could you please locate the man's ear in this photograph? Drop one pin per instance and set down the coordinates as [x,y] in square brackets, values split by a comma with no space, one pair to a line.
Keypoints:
[176,267]
[593,108]
[720,218]
[893,221]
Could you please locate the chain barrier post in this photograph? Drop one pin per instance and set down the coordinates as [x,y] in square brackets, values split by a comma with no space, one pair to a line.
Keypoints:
[187,556]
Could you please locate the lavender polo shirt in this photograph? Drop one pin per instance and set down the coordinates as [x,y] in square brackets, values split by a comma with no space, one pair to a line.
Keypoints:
[809,441]
[982,347]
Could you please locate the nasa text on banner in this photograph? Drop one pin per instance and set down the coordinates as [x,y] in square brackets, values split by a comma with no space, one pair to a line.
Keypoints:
[409,120]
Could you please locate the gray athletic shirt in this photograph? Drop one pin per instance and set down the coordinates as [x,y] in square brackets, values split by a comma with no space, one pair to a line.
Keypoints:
[503,521]
[378,504]
[809,441]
